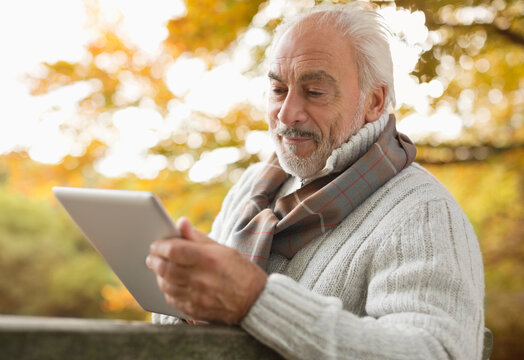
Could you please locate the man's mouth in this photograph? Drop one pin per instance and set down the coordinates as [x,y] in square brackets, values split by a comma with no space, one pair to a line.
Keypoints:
[292,136]
[295,140]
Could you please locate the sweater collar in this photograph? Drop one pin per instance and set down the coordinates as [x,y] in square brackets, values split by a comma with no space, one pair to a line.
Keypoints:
[357,145]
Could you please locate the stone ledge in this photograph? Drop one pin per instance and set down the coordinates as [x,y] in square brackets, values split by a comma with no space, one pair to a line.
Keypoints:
[28,338]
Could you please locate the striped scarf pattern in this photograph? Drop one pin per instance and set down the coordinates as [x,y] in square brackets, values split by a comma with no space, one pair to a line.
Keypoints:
[303,215]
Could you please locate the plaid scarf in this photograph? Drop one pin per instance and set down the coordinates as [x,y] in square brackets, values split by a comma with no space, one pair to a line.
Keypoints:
[322,204]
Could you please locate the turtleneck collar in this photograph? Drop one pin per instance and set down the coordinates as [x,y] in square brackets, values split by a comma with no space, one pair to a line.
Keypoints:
[354,148]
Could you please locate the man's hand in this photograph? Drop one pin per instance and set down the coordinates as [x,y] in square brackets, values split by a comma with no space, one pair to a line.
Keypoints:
[203,279]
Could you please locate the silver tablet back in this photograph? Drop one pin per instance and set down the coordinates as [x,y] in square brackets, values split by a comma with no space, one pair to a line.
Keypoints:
[121,225]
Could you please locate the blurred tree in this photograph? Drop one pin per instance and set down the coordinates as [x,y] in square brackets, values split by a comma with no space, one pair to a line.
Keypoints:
[209,27]
[475,49]
[46,267]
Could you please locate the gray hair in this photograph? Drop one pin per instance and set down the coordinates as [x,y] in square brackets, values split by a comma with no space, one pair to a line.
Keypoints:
[368,36]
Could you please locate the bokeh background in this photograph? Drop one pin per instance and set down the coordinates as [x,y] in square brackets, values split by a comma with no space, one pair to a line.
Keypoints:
[168,96]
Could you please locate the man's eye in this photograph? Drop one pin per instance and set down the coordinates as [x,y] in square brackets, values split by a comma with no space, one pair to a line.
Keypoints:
[278,91]
[314,93]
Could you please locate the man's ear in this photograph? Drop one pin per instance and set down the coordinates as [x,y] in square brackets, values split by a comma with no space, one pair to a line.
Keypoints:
[375,104]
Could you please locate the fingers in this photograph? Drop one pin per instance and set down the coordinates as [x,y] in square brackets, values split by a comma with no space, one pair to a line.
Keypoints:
[181,252]
[168,270]
[172,289]
[185,228]
[185,307]
[186,301]
[191,233]
[198,308]
[205,281]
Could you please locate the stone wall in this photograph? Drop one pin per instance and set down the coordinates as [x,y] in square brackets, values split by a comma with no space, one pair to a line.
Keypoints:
[24,338]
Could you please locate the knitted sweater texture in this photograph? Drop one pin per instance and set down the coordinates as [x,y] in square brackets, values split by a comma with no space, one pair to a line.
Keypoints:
[400,278]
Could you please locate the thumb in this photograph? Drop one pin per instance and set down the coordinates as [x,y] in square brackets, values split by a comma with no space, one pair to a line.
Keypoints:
[188,232]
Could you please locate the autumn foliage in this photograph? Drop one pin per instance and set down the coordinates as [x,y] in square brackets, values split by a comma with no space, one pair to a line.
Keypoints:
[48,268]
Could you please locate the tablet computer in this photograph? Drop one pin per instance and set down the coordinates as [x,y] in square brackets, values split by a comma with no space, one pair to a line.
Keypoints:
[120,225]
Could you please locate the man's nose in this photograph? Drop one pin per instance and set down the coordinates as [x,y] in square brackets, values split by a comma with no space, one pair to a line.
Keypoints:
[292,110]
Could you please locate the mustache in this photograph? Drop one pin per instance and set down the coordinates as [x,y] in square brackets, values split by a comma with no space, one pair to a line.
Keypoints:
[282,130]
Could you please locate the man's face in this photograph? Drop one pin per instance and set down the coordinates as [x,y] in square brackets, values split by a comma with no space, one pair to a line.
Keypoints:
[313,102]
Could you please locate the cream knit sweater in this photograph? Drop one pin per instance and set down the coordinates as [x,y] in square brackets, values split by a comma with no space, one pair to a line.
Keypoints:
[400,278]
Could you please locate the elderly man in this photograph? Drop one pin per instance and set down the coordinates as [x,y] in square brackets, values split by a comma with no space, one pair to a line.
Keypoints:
[338,246]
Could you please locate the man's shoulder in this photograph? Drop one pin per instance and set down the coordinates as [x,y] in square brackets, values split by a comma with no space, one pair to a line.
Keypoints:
[410,191]
[413,195]
[416,181]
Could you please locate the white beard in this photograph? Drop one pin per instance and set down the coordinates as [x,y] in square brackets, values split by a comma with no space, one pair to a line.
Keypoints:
[306,167]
